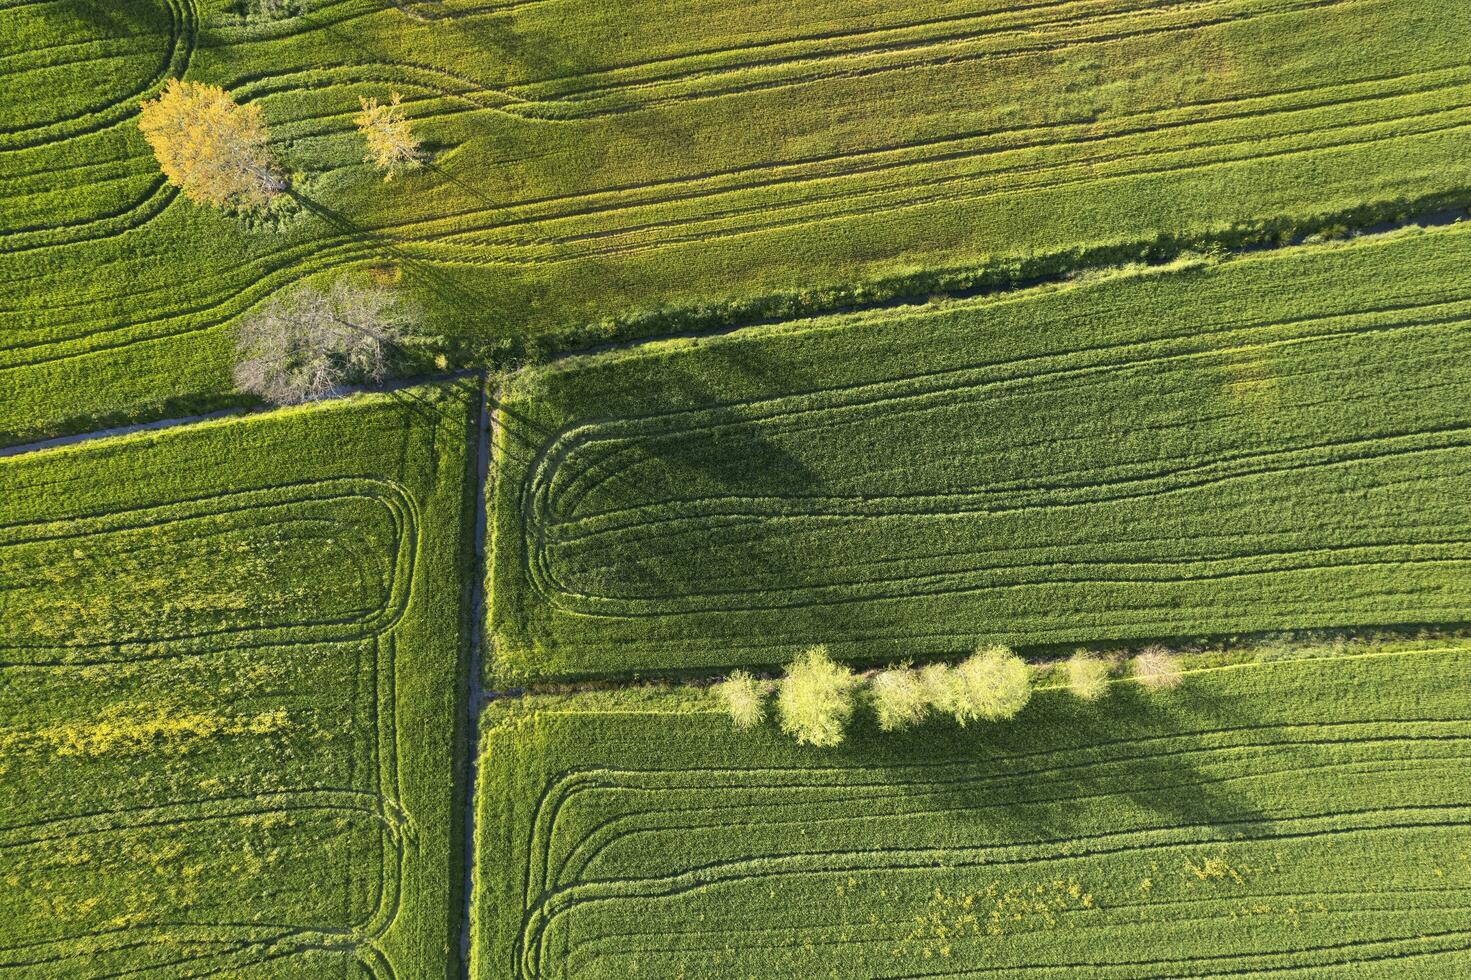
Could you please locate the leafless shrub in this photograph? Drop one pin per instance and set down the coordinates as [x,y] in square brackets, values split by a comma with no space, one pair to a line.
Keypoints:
[303,346]
[1157,669]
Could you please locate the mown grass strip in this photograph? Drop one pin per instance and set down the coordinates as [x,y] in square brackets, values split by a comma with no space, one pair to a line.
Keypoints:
[1290,817]
[231,693]
[1274,442]
[825,154]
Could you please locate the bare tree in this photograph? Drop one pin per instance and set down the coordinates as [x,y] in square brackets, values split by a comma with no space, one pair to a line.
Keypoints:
[305,345]
[1157,669]
[270,9]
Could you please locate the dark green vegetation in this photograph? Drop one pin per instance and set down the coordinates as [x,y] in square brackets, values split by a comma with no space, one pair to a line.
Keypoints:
[1281,441]
[1298,819]
[231,678]
[647,164]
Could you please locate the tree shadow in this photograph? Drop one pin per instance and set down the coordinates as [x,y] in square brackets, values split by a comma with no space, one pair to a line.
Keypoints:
[1129,774]
[119,19]
[466,302]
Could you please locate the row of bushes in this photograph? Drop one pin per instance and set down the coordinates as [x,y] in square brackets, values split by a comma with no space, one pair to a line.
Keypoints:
[818,697]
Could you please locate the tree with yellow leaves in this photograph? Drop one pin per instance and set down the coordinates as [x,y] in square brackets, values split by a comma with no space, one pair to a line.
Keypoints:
[212,148]
[392,147]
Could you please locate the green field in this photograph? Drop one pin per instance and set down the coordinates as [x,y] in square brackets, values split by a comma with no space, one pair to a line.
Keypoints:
[231,696]
[638,166]
[1279,441]
[994,349]
[1302,818]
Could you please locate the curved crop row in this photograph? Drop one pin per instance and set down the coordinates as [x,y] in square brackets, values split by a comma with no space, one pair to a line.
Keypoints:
[214,640]
[1278,818]
[1271,443]
[1031,133]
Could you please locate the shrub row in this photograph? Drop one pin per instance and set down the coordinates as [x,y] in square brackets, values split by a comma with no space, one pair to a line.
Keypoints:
[818,697]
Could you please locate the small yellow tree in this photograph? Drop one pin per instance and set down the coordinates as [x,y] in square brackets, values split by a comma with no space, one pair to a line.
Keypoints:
[392,147]
[213,149]
[1087,676]
[816,699]
[743,697]
[899,698]
[991,684]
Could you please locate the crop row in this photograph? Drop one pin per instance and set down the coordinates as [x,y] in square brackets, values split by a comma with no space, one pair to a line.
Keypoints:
[1277,817]
[1030,134]
[1272,442]
[215,642]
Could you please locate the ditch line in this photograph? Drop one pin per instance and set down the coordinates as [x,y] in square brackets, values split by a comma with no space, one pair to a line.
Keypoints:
[474,694]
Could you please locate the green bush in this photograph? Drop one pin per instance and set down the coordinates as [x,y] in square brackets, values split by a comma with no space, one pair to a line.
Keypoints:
[1087,676]
[816,699]
[900,698]
[990,685]
[743,697]
[934,679]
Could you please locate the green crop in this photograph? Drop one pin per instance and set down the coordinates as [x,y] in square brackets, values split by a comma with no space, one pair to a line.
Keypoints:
[603,168]
[850,337]
[1303,817]
[1280,441]
[230,687]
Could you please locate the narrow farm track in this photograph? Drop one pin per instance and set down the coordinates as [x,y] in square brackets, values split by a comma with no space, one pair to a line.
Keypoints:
[1242,827]
[205,724]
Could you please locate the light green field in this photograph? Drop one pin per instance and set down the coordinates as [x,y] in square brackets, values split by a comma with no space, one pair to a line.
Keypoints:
[1293,819]
[647,165]
[1276,442]
[231,693]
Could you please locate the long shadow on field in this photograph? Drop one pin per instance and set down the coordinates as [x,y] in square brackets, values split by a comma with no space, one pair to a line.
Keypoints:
[508,158]
[1126,774]
[527,152]
[467,303]
[667,465]
[118,19]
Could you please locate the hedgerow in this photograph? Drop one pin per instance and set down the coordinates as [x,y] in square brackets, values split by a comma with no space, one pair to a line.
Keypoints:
[626,833]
